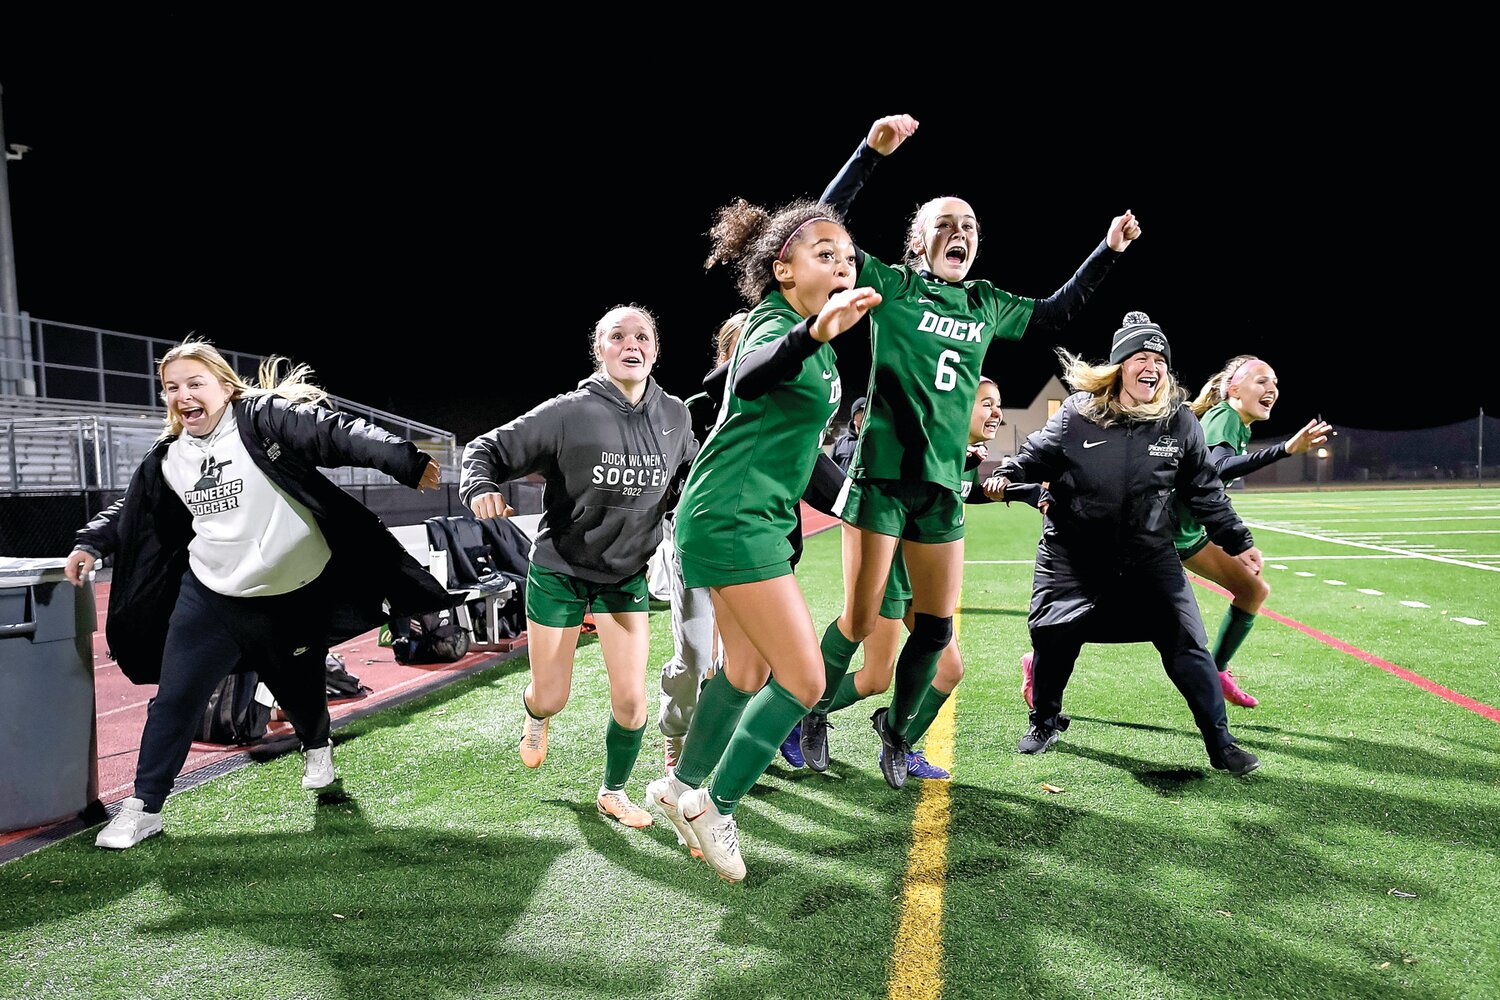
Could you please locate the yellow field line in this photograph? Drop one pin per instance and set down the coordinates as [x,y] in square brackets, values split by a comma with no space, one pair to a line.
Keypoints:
[917,961]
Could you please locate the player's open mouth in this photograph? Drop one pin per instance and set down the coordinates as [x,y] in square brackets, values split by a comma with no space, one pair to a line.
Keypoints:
[1268,401]
[958,253]
[991,426]
[189,413]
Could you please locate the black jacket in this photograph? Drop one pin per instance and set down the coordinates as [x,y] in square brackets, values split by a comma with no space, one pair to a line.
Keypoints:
[1108,531]
[148,530]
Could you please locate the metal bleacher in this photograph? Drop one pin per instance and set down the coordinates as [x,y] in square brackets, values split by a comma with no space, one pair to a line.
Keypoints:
[78,410]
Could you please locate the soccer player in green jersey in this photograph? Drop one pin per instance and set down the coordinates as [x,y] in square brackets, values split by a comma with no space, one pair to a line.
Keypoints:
[1238,395]
[928,338]
[796,268]
[883,644]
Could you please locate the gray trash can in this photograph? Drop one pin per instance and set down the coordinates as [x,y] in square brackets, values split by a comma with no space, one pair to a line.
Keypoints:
[49,758]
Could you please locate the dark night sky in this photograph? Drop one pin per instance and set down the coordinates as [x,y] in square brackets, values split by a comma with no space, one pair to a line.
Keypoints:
[323,207]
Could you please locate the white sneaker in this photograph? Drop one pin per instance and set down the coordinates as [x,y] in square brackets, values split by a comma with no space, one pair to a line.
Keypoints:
[131,825]
[317,767]
[718,836]
[664,793]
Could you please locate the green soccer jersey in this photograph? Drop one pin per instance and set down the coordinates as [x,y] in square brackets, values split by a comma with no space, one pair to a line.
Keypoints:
[927,341]
[1221,425]
[740,501]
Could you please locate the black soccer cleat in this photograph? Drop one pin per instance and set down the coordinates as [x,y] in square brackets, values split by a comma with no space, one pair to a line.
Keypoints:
[892,750]
[1235,759]
[814,741]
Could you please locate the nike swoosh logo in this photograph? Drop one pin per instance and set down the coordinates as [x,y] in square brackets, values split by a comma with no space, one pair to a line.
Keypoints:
[638,600]
[924,302]
[827,376]
[1092,444]
[666,432]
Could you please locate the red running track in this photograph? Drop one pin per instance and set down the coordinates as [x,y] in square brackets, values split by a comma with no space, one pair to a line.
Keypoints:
[121,705]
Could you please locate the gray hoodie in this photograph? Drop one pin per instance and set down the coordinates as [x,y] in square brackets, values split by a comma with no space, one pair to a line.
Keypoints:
[613,471]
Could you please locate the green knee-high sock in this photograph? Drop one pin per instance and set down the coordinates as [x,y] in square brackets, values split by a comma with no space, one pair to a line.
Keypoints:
[846,695]
[621,747]
[932,703]
[768,719]
[719,709]
[838,650]
[1235,625]
[915,669]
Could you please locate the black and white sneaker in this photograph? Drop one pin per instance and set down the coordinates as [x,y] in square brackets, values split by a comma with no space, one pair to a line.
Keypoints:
[1039,738]
[893,750]
[814,741]
[1234,759]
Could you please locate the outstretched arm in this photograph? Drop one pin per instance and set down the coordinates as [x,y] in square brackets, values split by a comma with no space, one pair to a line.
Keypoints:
[767,367]
[1234,466]
[1054,312]
[885,135]
[523,446]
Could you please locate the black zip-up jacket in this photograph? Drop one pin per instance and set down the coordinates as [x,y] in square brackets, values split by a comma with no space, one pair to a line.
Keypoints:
[1110,521]
[148,530]
[613,472]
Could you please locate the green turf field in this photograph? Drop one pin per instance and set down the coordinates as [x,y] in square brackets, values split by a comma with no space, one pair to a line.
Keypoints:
[1360,861]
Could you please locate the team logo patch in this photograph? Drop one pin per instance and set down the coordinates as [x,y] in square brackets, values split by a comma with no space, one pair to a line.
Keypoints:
[274,451]
[1165,447]
[211,495]
[1155,344]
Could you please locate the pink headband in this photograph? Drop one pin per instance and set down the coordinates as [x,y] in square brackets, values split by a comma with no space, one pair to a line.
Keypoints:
[1239,373]
[816,218]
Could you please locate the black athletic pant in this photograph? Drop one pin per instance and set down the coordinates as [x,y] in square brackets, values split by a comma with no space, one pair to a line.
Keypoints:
[1186,659]
[282,638]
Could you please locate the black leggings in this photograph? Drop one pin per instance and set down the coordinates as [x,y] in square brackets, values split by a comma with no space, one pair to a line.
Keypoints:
[1183,655]
[282,638]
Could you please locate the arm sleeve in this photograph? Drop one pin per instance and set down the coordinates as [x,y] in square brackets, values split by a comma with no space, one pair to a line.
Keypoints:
[713,382]
[1233,466]
[1054,312]
[767,367]
[1040,457]
[332,439]
[1031,494]
[101,536]
[840,192]
[823,488]
[519,448]
[1202,491]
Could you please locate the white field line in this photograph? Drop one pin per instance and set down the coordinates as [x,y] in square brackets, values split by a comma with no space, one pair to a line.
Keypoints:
[1377,548]
[1270,559]
[1405,520]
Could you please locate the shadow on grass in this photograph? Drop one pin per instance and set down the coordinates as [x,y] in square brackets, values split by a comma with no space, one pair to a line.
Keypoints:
[1028,872]
[385,910]
[1162,779]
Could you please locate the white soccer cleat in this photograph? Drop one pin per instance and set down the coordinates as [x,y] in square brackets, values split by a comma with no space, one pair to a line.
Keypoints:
[317,768]
[718,836]
[131,825]
[665,793]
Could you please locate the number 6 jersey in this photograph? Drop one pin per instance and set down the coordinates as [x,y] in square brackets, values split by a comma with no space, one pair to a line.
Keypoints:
[927,339]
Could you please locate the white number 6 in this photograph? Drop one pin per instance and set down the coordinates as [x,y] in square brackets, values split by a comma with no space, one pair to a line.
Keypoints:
[947,378]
